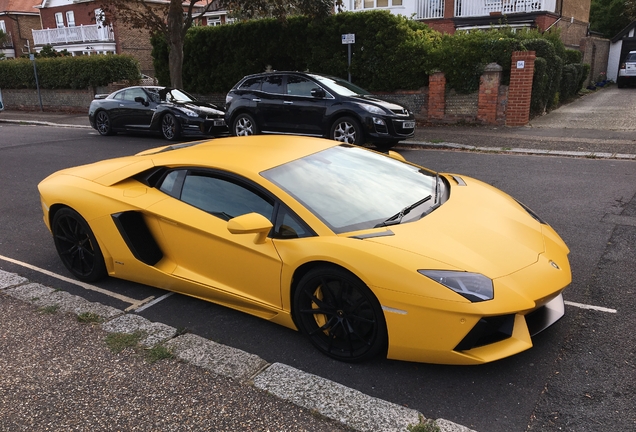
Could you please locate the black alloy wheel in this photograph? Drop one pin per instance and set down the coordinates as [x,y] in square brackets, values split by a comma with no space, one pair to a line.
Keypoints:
[170,128]
[339,314]
[244,125]
[77,246]
[347,130]
[102,121]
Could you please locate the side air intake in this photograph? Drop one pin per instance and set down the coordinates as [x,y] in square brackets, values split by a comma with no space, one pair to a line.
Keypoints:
[135,232]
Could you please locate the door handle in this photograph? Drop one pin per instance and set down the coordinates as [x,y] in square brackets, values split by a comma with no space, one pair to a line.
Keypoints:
[288,102]
[256,100]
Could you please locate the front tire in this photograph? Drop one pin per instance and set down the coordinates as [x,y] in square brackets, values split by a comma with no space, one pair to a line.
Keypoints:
[170,128]
[244,125]
[103,123]
[339,314]
[77,246]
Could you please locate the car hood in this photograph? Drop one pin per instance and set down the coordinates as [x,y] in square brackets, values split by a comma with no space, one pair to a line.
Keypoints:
[201,107]
[479,229]
[395,108]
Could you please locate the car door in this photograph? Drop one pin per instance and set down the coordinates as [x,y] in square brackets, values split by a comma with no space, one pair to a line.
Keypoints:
[136,114]
[305,113]
[270,110]
[195,228]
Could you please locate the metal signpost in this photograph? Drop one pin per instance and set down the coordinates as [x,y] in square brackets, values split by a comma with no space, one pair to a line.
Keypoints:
[348,39]
[37,83]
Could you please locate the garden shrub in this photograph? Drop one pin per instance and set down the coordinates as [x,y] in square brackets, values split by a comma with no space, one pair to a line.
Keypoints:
[69,72]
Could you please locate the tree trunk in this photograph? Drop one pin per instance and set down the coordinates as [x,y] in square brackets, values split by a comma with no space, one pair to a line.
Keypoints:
[175,43]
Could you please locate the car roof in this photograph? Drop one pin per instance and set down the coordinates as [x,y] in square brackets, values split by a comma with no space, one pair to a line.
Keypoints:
[251,154]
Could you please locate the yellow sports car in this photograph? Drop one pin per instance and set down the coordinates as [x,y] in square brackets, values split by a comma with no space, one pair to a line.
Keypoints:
[363,252]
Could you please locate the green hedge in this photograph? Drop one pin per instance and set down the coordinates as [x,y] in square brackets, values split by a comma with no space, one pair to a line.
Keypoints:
[390,52]
[69,72]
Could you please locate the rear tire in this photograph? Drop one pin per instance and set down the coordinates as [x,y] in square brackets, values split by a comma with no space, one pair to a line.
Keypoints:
[103,123]
[77,246]
[244,125]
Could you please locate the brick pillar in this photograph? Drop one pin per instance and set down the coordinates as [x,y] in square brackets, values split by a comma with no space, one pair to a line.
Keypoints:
[489,93]
[520,91]
[436,96]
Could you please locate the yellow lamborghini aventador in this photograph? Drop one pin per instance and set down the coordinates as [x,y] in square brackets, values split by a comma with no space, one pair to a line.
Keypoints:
[362,252]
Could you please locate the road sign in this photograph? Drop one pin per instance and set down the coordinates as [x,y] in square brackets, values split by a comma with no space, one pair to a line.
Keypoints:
[349,38]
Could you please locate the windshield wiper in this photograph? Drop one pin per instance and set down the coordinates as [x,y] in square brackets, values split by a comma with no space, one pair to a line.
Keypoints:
[397,218]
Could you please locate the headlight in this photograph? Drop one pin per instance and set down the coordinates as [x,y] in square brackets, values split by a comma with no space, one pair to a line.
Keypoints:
[372,109]
[473,286]
[188,112]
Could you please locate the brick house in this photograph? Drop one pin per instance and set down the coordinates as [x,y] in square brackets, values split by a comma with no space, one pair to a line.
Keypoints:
[78,28]
[449,16]
[17,19]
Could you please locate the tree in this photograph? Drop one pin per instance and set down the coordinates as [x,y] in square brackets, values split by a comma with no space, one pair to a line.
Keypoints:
[173,18]
[611,16]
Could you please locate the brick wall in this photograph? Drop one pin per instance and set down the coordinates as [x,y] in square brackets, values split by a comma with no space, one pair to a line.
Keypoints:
[75,101]
[595,53]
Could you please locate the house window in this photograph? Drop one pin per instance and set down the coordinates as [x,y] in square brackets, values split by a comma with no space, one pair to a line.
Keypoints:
[99,17]
[59,20]
[370,4]
[3,27]
[214,21]
[70,19]
[397,2]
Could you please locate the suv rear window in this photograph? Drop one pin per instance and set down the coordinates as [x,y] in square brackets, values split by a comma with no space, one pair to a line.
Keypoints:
[251,84]
[631,57]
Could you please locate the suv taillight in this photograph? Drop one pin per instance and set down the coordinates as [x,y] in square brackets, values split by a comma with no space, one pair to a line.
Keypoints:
[622,65]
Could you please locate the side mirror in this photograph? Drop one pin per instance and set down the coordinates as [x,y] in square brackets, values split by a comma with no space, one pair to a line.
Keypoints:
[251,223]
[318,93]
[141,101]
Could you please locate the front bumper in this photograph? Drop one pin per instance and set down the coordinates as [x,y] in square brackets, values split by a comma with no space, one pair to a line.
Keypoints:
[388,129]
[200,126]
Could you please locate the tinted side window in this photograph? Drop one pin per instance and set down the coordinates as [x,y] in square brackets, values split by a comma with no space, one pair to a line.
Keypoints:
[223,198]
[251,84]
[299,86]
[273,84]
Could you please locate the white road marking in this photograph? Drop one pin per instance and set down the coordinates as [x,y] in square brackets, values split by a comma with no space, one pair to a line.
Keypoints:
[154,302]
[134,303]
[584,306]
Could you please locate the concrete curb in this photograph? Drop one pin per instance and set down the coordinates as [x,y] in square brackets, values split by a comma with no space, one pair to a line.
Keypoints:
[453,146]
[348,406]
[44,123]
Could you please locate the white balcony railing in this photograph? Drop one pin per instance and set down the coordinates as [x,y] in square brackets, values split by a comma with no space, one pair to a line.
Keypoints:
[427,9]
[474,8]
[69,35]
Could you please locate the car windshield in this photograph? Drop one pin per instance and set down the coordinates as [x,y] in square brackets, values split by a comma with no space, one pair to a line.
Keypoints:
[176,95]
[350,188]
[340,86]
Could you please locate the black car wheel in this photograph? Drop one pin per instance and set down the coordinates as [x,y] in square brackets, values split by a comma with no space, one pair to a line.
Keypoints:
[102,123]
[170,128]
[347,130]
[339,314]
[244,125]
[77,246]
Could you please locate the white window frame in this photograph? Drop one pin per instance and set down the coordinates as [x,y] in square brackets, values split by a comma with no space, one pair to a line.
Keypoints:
[3,27]
[214,21]
[70,19]
[59,19]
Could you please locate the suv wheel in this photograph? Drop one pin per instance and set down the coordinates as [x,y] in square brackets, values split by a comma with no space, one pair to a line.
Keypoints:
[244,125]
[347,130]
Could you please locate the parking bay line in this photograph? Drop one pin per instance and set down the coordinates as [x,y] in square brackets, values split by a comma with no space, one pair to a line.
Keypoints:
[584,306]
[134,304]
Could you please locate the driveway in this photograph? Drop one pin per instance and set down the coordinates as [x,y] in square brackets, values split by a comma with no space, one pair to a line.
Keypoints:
[600,122]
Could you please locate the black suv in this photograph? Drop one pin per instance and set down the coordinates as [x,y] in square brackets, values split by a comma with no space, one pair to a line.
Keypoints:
[318,105]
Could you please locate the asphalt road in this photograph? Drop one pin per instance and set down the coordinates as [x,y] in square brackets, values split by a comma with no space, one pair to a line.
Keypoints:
[580,375]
